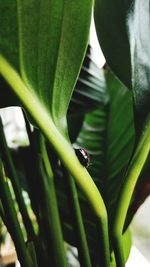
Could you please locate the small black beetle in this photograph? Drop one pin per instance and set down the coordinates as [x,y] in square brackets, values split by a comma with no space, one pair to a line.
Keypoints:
[83,156]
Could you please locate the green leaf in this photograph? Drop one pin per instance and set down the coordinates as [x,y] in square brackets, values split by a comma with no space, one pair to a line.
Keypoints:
[110,19]
[9,45]
[50,62]
[47,123]
[108,135]
[89,93]
[90,89]
[52,40]
[124,34]
[139,37]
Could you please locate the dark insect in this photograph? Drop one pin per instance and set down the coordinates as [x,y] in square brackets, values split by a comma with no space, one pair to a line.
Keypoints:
[83,156]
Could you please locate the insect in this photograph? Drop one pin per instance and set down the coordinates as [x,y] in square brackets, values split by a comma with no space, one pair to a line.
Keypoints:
[83,156]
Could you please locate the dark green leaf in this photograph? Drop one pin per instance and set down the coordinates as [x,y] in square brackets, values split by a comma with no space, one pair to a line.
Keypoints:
[110,19]
[107,134]
[9,45]
[90,90]
[124,34]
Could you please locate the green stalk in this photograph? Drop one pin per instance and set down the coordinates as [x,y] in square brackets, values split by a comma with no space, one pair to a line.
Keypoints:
[79,230]
[31,249]
[50,210]
[33,154]
[133,173]
[104,259]
[15,182]
[2,214]
[18,192]
[12,221]
[64,149]
[34,191]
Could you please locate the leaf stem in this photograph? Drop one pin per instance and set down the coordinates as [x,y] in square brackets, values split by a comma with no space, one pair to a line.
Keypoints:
[51,209]
[12,221]
[102,226]
[64,149]
[12,174]
[2,214]
[34,187]
[133,172]
[79,230]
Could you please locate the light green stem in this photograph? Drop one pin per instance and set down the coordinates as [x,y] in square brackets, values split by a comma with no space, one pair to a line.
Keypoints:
[133,174]
[77,220]
[65,151]
[50,209]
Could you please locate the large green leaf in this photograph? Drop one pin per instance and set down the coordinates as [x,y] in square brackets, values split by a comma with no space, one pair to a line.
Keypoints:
[109,145]
[9,45]
[124,34]
[89,93]
[108,135]
[52,41]
[57,50]
[139,37]
[111,30]
[41,92]
[123,26]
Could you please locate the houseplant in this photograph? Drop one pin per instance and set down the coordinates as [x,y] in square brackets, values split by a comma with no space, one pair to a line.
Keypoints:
[43,45]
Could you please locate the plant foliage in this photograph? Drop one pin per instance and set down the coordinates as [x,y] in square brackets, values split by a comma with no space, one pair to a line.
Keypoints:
[47,68]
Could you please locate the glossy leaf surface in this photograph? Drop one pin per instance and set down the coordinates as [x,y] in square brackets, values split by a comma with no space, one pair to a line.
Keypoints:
[52,40]
[108,135]
[124,34]
[90,90]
